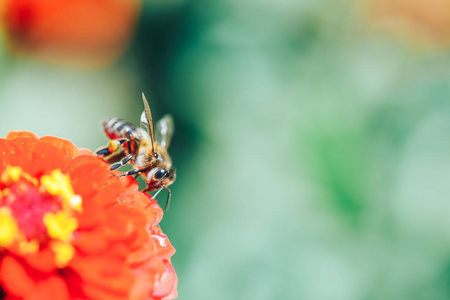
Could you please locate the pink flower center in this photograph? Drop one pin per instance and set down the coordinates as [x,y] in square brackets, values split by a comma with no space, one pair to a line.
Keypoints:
[28,206]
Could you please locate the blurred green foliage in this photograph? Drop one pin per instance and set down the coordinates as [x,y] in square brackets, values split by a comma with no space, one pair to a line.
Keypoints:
[312,154]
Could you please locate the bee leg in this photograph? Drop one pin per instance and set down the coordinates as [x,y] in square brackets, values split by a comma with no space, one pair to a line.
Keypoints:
[129,173]
[102,152]
[113,146]
[123,162]
[168,196]
[156,194]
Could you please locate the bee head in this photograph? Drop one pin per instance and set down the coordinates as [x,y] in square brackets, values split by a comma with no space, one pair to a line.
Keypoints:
[160,176]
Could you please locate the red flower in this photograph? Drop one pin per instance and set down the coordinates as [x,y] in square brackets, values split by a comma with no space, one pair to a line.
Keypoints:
[68,230]
[87,31]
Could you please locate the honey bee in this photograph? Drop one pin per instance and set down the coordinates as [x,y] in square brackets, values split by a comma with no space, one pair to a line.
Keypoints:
[143,148]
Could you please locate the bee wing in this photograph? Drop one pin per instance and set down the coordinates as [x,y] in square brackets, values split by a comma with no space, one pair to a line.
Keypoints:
[164,131]
[144,122]
[146,119]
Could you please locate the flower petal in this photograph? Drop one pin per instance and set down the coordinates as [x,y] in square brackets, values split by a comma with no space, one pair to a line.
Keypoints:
[125,224]
[164,247]
[16,153]
[43,260]
[16,134]
[164,284]
[110,192]
[92,241]
[167,282]
[68,149]
[85,151]
[88,175]
[52,287]
[143,202]
[118,250]
[45,159]
[15,279]
[91,216]
[107,276]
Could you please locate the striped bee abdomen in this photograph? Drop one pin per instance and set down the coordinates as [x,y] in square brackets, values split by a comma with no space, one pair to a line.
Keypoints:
[116,128]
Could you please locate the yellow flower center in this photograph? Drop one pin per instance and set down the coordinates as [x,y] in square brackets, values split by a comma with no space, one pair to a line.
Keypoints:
[59,184]
[11,174]
[36,213]
[60,225]
[8,227]
[29,246]
[64,253]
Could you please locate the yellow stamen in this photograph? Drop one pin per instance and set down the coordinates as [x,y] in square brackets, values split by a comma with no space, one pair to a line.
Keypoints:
[8,228]
[60,225]
[64,253]
[58,184]
[11,174]
[29,246]
[30,178]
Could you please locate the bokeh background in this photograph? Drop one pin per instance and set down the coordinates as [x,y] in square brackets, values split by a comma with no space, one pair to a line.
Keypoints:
[312,139]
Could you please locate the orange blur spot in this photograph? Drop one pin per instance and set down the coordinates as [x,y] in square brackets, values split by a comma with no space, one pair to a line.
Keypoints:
[421,20]
[88,32]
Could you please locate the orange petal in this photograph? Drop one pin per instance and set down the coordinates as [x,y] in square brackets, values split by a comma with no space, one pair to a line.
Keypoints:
[145,278]
[174,293]
[52,287]
[125,224]
[88,175]
[156,207]
[142,202]
[98,293]
[68,149]
[157,245]
[107,272]
[142,254]
[15,278]
[82,160]
[110,192]
[57,29]
[154,280]
[163,246]
[46,158]
[91,241]
[14,153]
[43,260]
[91,216]
[16,134]
[167,282]
[18,152]
[85,151]
[130,183]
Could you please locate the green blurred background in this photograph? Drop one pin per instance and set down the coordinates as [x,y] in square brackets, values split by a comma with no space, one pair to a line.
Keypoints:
[312,147]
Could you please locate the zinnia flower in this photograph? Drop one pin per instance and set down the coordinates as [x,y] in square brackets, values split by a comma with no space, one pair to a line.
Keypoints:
[422,20]
[95,32]
[70,230]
